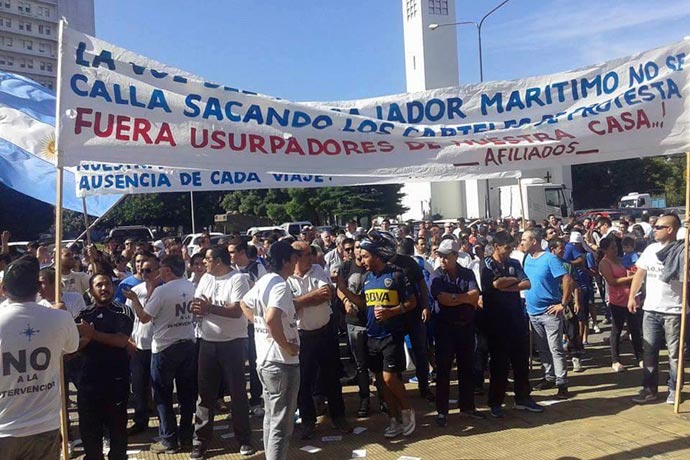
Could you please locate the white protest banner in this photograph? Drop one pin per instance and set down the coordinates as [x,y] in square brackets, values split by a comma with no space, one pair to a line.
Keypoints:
[118,107]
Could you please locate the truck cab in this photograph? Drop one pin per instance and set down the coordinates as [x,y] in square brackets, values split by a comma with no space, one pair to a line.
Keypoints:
[538,198]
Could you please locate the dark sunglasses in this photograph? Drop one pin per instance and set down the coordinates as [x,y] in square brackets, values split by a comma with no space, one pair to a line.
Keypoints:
[349,249]
[659,227]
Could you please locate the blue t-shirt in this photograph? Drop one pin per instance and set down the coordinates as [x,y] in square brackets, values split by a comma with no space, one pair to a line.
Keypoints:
[387,289]
[128,283]
[629,259]
[544,273]
[572,252]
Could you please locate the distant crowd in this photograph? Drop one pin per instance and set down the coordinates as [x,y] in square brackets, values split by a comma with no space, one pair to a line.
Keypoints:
[261,320]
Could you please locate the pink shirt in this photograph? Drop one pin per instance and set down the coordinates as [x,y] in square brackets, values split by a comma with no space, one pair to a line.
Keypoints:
[617,295]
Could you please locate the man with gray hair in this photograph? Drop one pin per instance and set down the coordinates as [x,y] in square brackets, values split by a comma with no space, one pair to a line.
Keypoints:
[334,258]
[546,302]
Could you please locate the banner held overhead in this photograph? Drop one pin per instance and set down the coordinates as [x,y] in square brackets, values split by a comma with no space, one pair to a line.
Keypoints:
[120,107]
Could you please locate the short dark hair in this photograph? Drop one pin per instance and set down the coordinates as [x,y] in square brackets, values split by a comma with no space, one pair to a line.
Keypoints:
[503,239]
[96,275]
[279,254]
[175,263]
[674,217]
[406,247]
[556,242]
[605,243]
[603,220]
[628,241]
[48,273]
[348,241]
[198,255]
[21,279]
[252,252]
[240,246]
[220,252]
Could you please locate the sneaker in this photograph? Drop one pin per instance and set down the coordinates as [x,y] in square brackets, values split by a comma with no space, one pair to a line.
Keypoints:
[475,414]
[544,385]
[414,380]
[247,449]
[641,364]
[197,453]
[342,425]
[160,448]
[671,398]
[308,431]
[441,420]
[408,421]
[645,396]
[597,329]
[585,343]
[496,412]
[394,429]
[618,367]
[136,429]
[577,365]
[528,405]
[562,392]
[257,410]
[363,410]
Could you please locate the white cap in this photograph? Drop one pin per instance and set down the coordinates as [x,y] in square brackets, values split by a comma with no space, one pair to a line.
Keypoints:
[575,237]
[448,246]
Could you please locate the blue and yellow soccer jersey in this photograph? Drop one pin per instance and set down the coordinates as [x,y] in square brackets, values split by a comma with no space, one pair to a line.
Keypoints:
[387,289]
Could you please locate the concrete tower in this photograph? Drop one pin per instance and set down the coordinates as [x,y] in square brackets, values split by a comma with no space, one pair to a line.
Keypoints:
[431,61]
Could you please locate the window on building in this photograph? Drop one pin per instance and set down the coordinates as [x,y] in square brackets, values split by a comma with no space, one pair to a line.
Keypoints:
[28,27]
[7,41]
[48,30]
[411,9]
[40,28]
[8,22]
[24,7]
[438,7]
[43,11]
[3,59]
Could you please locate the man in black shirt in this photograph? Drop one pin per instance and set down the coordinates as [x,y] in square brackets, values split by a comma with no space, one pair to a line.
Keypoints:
[104,385]
[506,326]
[456,291]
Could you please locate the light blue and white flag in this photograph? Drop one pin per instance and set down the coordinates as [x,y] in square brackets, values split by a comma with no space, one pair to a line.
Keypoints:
[27,146]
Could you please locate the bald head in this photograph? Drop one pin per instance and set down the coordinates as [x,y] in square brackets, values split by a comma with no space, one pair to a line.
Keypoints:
[304,261]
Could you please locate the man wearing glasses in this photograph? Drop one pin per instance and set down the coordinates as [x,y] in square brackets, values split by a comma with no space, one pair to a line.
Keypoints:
[662,307]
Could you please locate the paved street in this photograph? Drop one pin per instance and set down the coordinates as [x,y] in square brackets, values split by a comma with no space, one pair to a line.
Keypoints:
[598,423]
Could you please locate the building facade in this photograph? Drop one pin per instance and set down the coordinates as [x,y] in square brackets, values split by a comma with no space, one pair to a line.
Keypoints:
[29,34]
[431,61]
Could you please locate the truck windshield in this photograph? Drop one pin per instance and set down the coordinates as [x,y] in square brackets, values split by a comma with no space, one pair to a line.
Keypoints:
[629,203]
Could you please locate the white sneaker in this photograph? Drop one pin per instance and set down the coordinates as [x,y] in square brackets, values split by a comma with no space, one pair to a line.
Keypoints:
[671,398]
[641,364]
[618,367]
[577,366]
[393,430]
[408,421]
[597,329]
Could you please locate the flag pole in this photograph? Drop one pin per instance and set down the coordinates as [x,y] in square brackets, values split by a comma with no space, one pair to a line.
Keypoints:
[683,315]
[191,204]
[86,221]
[64,390]
[99,219]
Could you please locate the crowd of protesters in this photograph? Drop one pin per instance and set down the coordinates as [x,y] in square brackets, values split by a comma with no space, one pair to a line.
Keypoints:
[140,321]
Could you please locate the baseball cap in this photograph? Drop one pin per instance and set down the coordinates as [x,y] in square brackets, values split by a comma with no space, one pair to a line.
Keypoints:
[307,228]
[448,246]
[575,237]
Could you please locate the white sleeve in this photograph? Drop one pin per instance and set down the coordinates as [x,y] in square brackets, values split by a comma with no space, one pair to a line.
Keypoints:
[280,297]
[71,333]
[201,288]
[250,298]
[239,287]
[643,262]
[154,304]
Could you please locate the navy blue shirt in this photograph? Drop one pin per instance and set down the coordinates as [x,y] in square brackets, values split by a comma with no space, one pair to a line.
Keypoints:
[504,310]
[464,282]
[387,289]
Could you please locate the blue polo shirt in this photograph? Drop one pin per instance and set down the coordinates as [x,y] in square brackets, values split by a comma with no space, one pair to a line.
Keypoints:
[544,273]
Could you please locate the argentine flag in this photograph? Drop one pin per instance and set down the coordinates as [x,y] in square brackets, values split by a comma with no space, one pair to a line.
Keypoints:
[27,146]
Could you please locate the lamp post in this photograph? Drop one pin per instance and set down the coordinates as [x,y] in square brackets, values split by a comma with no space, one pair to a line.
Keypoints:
[478,25]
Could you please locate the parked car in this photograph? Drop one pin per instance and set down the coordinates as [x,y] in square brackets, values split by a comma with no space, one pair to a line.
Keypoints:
[293,228]
[191,241]
[264,232]
[136,232]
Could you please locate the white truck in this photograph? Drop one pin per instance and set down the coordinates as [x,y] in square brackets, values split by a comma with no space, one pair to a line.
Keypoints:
[641,200]
[539,199]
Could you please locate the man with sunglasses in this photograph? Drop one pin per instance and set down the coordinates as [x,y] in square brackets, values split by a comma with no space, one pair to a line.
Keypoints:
[173,363]
[318,355]
[662,310]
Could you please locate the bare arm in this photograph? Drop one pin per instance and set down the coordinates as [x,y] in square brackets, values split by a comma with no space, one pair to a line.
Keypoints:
[248,312]
[635,287]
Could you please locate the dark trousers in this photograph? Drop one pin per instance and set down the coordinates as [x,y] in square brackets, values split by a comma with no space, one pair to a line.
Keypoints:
[619,316]
[41,446]
[222,361]
[481,358]
[358,339]
[174,366]
[255,388]
[140,366]
[454,341]
[571,328]
[319,357]
[103,405]
[508,351]
[416,329]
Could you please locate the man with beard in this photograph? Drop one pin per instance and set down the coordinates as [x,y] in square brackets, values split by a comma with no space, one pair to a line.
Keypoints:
[104,384]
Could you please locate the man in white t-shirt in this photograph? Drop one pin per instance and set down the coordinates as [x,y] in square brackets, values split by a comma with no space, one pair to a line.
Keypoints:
[140,348]
[72,281]
[32,339]
[72,302]
[270,307]
[169,308]
[222,349]
[662,311]
[319,355]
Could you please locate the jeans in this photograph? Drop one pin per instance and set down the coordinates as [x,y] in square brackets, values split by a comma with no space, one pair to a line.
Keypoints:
[619,316]
[281,386]
[103,404]
[357,337]
[319,357]
[655,328]
[41,446]
[255,389]
[140,366]
[454,341]
[222,361]
[416,329]
[174,366]
[548,331]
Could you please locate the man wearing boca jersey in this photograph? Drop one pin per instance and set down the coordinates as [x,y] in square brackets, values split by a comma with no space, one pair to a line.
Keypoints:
[387,296]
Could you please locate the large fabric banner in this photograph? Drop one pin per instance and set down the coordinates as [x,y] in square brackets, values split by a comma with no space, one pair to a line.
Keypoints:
[120,107]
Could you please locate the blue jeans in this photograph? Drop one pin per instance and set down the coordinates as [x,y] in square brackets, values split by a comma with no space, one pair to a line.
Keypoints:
[657,327]
[281,386]
[548,331]
[177,364]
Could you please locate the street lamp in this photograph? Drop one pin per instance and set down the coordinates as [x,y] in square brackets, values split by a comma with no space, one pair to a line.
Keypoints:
[478,25]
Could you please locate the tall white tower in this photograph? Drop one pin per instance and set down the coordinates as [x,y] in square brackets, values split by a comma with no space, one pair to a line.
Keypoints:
[431,61]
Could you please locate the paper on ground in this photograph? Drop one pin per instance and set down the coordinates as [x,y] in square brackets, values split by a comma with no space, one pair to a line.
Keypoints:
[359,453]
[311,449]
[227,435]
[405,457]
[359,429]
[331,438]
